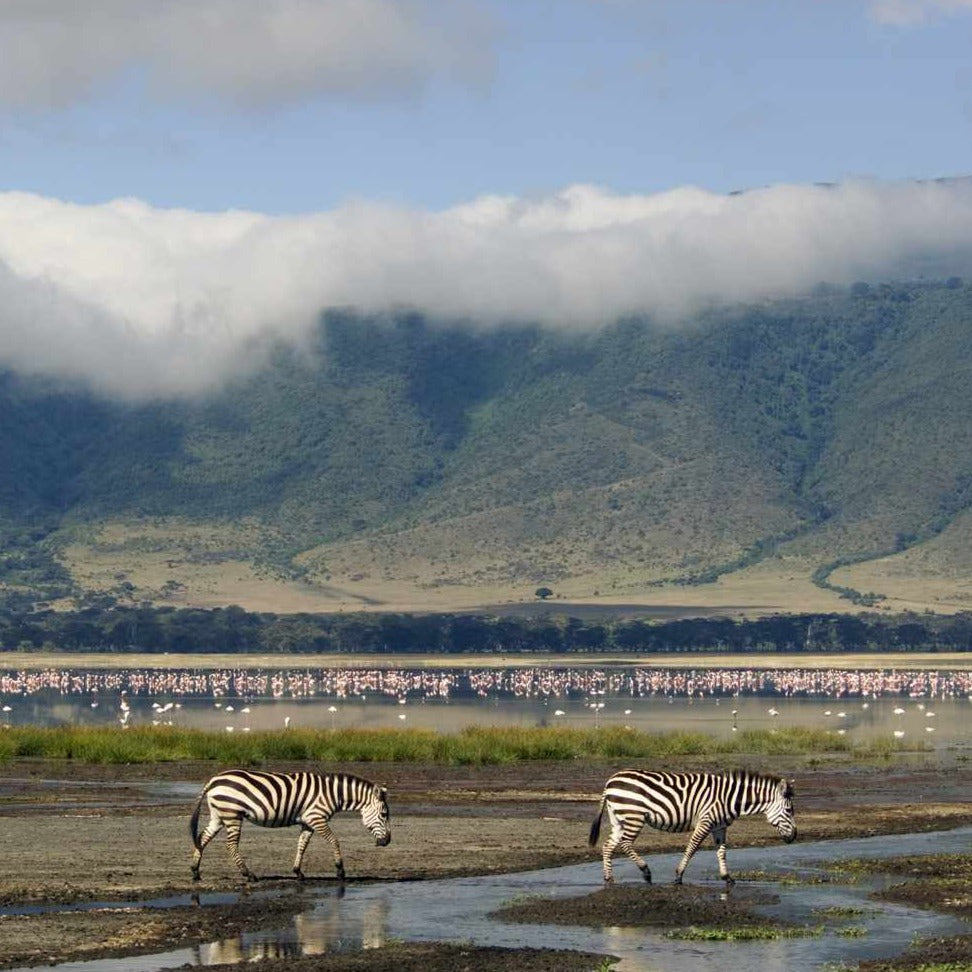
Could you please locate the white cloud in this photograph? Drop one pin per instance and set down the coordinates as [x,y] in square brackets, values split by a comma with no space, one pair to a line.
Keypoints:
[141,301]
[906,12]
[246,52]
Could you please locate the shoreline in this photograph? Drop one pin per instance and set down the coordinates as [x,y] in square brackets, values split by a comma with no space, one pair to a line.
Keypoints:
[36,661]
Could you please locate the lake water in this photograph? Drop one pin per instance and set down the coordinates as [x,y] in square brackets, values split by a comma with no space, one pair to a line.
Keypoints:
[932,707]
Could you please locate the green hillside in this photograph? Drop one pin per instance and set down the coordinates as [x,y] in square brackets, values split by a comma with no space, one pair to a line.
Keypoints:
[823,432]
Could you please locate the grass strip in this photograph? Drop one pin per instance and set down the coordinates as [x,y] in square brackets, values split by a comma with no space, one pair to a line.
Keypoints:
[742,933]
[474,745]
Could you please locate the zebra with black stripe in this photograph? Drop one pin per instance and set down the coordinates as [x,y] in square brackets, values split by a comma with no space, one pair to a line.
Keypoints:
[705,803]
[285,800]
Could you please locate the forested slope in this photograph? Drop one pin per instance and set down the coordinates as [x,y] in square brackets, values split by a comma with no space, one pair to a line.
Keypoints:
[830,428]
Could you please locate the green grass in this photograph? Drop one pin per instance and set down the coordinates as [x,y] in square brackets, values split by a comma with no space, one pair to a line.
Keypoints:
[473,745]
[960,966]
[840,912]
[744,933]
[934,868]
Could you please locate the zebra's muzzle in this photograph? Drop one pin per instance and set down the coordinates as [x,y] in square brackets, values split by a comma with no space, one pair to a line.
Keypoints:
[383,841]
[790,837]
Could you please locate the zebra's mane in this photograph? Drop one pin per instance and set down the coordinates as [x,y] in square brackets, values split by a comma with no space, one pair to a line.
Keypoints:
[772,780]
[376,790]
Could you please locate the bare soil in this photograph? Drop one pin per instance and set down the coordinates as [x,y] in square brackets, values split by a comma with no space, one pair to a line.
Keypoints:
[432,957]
[647,906]
[77,833]
[933,955]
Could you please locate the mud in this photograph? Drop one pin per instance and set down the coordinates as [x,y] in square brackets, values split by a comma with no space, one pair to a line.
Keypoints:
[648,906]
[112,932]
[407,957]
[940,882]
[81,833]
[935,955]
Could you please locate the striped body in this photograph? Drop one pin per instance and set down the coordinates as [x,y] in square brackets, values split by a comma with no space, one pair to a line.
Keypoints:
[703,803]
[307,800]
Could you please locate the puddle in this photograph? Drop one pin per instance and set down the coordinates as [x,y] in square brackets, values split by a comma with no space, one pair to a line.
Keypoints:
[367,915]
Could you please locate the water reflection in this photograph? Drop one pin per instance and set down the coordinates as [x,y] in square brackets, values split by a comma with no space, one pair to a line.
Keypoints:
[926,705]
[326,929]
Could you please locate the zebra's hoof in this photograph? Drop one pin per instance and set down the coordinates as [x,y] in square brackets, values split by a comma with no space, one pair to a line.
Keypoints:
[608,879]
[646,874]
[340,874]
[195,875]
[678,879]
[730,881]
[299,874]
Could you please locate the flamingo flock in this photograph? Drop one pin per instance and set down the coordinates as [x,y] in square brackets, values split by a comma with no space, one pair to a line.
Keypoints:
[229,687]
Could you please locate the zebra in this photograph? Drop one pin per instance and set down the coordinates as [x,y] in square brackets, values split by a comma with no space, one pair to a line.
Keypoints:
[705,803]
[283,800]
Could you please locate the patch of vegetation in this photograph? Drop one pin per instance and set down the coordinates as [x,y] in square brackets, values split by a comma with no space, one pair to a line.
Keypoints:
[784,878]
[838,912]
[474,745]
[750,933]
[939,866]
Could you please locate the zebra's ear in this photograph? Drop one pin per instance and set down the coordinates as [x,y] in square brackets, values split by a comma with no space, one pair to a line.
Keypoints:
[383,793]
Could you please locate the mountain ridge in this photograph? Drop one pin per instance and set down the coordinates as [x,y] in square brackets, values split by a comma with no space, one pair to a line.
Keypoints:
[399,458]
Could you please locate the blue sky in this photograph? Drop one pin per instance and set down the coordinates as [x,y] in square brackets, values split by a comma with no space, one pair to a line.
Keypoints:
[183,182]
[516,98]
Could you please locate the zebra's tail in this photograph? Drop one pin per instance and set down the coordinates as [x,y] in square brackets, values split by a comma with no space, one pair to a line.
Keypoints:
[596,826]
[194,822]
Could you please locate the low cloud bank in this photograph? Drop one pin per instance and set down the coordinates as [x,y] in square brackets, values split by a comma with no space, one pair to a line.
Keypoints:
[144,302]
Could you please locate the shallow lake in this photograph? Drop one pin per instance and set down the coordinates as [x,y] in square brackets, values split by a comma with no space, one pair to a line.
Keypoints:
[929,706]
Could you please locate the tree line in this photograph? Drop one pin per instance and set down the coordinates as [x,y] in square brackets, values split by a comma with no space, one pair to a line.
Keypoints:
[232,630]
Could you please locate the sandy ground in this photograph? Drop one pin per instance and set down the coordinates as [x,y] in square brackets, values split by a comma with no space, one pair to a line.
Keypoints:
[40,660]
[78,833]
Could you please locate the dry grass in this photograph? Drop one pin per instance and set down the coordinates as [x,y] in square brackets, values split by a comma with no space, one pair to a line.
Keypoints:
[936,574]
[188,565]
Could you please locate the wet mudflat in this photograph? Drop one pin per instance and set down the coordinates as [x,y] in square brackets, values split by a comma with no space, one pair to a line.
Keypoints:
[933,955]
[651,906]
[76,833]
[941,882]
[104,932]
[437,957]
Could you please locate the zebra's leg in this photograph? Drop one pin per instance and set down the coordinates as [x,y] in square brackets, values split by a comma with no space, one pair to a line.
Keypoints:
[321,827]
[233,828]
[305,835]
[632,828]
[719,839]
[623,833]
[212,829]
[610,844]
[702,830]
